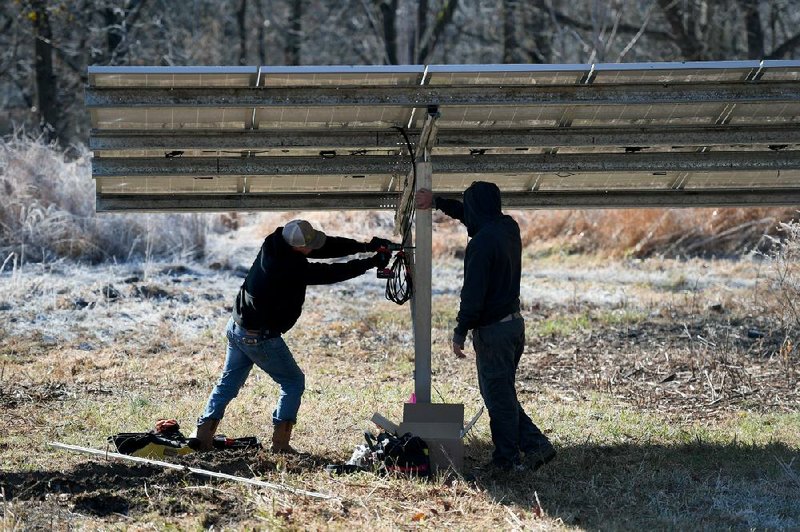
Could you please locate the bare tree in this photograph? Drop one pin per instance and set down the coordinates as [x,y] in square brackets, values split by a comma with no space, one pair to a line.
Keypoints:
[46,87]
[241,23]
[293,41]
[511,47]
[46,45]
[433,34]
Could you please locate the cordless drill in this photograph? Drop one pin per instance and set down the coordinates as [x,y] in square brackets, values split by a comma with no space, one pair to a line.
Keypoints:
[387,273]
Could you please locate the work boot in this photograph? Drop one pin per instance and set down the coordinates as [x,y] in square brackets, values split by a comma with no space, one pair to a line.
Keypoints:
[282,433]
[536,458]
[202,439]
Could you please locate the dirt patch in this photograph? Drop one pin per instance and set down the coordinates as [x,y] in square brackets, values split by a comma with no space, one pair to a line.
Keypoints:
[694,367]
[13,394]
[105,489]
[101,503]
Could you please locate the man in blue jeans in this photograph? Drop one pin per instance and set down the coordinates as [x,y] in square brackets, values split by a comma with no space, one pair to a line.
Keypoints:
[490,308]
[267,305]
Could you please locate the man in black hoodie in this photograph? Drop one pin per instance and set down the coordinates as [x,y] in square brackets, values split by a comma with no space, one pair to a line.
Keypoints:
[490,309]
[267,305]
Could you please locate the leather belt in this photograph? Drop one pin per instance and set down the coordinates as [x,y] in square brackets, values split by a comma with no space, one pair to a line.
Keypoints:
[512,316]
[258,332]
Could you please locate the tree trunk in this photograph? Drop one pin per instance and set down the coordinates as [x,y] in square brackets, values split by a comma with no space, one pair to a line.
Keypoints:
[510,43]
[419,31]
[262,38]
[241,22]
[46,91]
[755,31]
[389,18]
[113,34]
[691,48]
[295,32]
[443,18]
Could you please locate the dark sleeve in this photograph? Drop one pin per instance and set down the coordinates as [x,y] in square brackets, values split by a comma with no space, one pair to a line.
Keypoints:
[322,273]
[337,246]
[477,270]
[452,208]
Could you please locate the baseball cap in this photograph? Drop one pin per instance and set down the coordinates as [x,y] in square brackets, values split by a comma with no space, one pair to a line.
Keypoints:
[300,233]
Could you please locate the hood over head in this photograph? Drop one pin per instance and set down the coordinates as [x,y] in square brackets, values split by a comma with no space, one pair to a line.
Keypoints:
[481,205]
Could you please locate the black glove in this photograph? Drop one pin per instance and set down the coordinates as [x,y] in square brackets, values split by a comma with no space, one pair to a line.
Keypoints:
[381,259]
[376,243]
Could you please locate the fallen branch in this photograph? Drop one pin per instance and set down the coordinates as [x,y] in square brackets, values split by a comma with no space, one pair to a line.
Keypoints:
[195,470]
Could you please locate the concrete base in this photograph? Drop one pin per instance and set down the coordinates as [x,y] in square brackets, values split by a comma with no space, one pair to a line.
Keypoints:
[440,426]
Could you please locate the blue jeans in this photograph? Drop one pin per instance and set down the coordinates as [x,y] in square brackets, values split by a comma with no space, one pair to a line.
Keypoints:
[498,348]
[271,355]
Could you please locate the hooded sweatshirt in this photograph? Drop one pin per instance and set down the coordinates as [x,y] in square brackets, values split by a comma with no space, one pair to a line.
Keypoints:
[272,295]
[493,259]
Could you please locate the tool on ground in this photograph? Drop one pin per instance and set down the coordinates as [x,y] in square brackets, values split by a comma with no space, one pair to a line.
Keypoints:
[167,440]
[388,454]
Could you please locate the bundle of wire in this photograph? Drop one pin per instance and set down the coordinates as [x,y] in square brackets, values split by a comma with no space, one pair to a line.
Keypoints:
[399,286]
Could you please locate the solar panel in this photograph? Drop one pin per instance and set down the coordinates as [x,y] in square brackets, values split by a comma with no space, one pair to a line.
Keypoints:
[506,74]
[173,77]
[674,72]
[341,76]
[275,137]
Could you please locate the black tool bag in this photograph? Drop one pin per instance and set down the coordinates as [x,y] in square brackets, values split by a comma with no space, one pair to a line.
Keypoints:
[405,455]
[167,440]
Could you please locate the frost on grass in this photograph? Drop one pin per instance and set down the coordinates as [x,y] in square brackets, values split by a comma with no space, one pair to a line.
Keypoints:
[47,212]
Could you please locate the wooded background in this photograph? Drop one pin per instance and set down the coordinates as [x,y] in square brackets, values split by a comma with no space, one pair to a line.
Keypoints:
[47,45]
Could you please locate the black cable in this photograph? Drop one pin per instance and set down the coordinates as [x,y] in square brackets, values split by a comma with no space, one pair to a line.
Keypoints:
[399,287]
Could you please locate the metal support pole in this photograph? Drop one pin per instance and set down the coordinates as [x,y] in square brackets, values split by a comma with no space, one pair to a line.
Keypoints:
[422,290]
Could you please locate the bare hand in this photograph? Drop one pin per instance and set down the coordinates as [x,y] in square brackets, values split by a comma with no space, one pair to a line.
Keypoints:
[424,199]
[459,350]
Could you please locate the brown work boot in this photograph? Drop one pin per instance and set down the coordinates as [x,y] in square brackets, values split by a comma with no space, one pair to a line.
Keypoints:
[282,433]
[202,439]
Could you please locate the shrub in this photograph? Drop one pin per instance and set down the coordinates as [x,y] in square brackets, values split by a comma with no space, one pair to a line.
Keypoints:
[47,212]
[707,232]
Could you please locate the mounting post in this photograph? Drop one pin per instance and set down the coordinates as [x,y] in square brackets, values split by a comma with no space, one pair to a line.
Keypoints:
[422,289]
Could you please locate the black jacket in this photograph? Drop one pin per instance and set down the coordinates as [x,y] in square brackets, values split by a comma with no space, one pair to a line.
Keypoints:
[272,295]
[493,259]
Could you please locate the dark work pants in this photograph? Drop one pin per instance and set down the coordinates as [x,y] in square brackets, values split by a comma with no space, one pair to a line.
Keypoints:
[498,348]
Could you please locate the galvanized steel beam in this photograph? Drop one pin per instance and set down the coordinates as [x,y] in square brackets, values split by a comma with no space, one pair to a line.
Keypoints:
[422,96]
[252,140]
[645,199]
[255,140]
[610,199]
[243,202]
[456,164]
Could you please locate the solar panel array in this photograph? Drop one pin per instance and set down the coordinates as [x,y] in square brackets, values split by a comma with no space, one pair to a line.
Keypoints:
[333,137]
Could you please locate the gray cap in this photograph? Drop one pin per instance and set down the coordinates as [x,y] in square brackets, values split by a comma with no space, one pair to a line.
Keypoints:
[300,233]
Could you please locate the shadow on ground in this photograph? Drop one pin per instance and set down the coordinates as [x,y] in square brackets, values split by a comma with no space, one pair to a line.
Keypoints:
[113,490]
[591,486]
[635,486]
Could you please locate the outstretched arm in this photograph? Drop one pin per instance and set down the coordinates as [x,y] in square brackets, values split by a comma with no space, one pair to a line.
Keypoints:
[321,273]
[338,246]
[452,208]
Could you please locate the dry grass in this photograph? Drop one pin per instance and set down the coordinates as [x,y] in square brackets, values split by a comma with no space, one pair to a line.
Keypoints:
[47,213]
[665,413]
[647,232]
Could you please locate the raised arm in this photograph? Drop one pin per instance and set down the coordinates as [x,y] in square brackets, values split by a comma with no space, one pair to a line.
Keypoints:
[453,208]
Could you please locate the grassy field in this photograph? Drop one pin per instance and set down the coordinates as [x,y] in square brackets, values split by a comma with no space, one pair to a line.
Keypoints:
[668,391]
